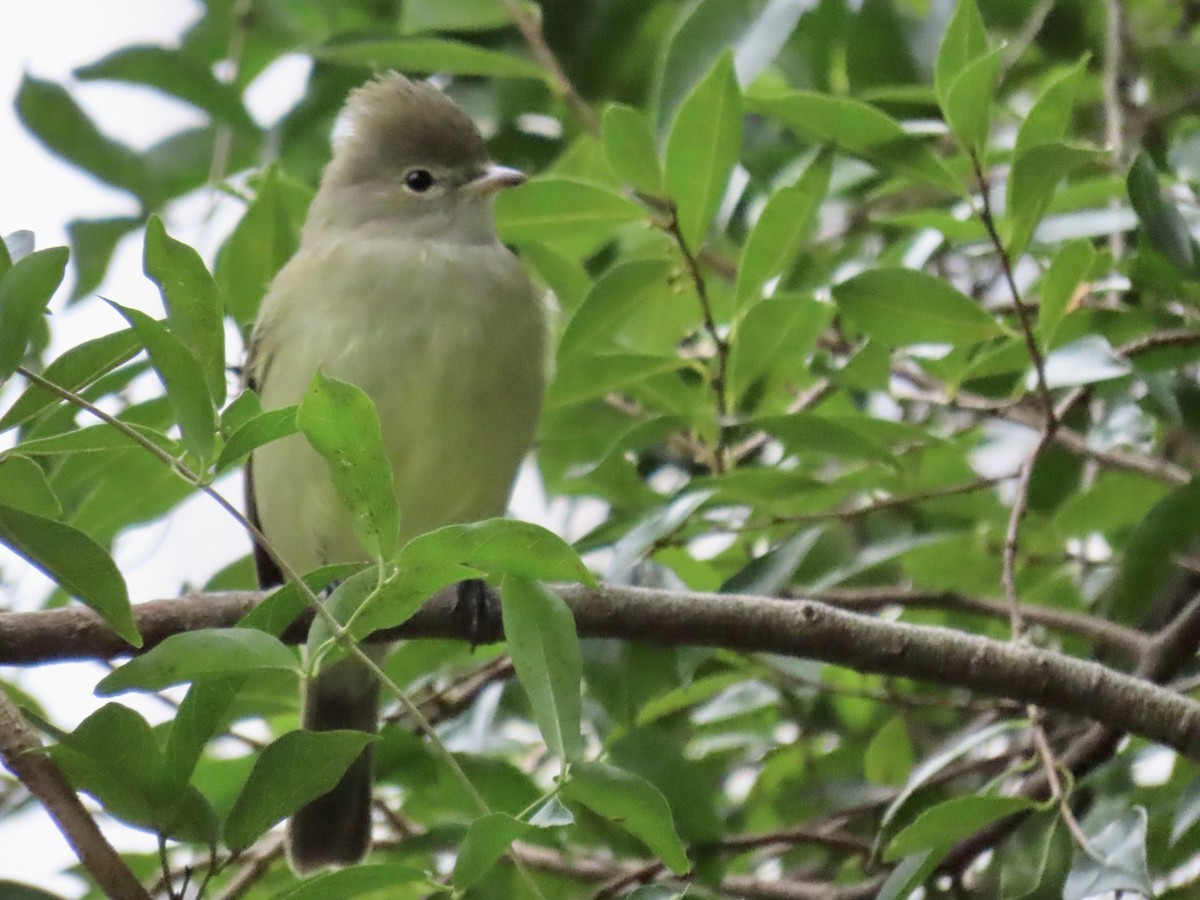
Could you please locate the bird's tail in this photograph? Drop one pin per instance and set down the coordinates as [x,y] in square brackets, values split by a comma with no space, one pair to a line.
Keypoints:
[335,828]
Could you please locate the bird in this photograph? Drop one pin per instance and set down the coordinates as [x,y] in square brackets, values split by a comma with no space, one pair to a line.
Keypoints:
[400,286]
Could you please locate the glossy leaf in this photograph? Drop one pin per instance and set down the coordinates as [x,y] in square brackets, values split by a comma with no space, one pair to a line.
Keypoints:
[613,298]
[182,376]
[427,55]
[487,839]
[77,367]
[199,654]
[75,562]
[702,148]
[25,289]
[630,148]
[633,802]
[544,208]
[901,307]
[1035,176]
[1167,533]
[289,772]
[964,43]
[194,308]
[943,824]
[785,222]
[540,633]
[262,429]
[500,547]
[859,129]
[23,486]
[341,424]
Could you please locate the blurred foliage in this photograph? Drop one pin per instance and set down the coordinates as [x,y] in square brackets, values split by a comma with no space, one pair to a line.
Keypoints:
[821,265]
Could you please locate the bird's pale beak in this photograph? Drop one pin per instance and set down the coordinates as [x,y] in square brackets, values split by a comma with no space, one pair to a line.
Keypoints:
[494,179]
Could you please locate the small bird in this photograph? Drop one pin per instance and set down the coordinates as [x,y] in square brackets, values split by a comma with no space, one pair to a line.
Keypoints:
[401,287]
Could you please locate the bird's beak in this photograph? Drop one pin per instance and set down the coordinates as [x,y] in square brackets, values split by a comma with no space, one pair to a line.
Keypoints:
[494,179]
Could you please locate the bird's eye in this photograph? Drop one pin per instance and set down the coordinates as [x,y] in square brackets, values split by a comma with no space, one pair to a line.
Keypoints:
[418,180]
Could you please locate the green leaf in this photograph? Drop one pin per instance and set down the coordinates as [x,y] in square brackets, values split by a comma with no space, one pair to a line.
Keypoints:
[342,425]
[296,768]
[611,301]
[909,874]
[487,839]
[1187,813]
[900,307]
[941,825]
[859,129]
[544,209]
[702,148]
[812,433]
[540,634]
[1049,119]
[1116,860]
[1032,184]
[79,565]
[113,755]
[1168,533]
[657,524]
[192,302]
[1070,266]
[197,654]
[968,104]
[889,757]
[25,289]
[48,111]
[262,429]
[262,241]
[93,242]
[964,42]
[630,149]
[774,339]
[765,575]
[176,74]
[430,55]
[76,368]
[589,376]
[452,15]
[563,274]
[499,547]
[1163,223]
[23,486]
[357,881]
[785,222]
[634,803]
[182,376]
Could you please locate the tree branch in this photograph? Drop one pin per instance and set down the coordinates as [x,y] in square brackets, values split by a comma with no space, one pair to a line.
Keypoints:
[24,756]
[754,624]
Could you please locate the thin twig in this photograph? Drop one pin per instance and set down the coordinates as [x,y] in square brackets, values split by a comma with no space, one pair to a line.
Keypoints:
[896,502]
[530,27]
[721,345]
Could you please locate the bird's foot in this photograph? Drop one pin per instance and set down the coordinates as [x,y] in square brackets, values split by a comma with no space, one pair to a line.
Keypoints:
[478,608]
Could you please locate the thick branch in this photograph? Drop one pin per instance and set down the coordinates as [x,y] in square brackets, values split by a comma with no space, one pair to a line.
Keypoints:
[754,624]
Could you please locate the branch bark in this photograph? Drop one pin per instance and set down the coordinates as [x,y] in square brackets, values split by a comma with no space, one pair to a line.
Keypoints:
[1123,703]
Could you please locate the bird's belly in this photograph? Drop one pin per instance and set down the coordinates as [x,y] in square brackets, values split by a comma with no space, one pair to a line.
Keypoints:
[457,383]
